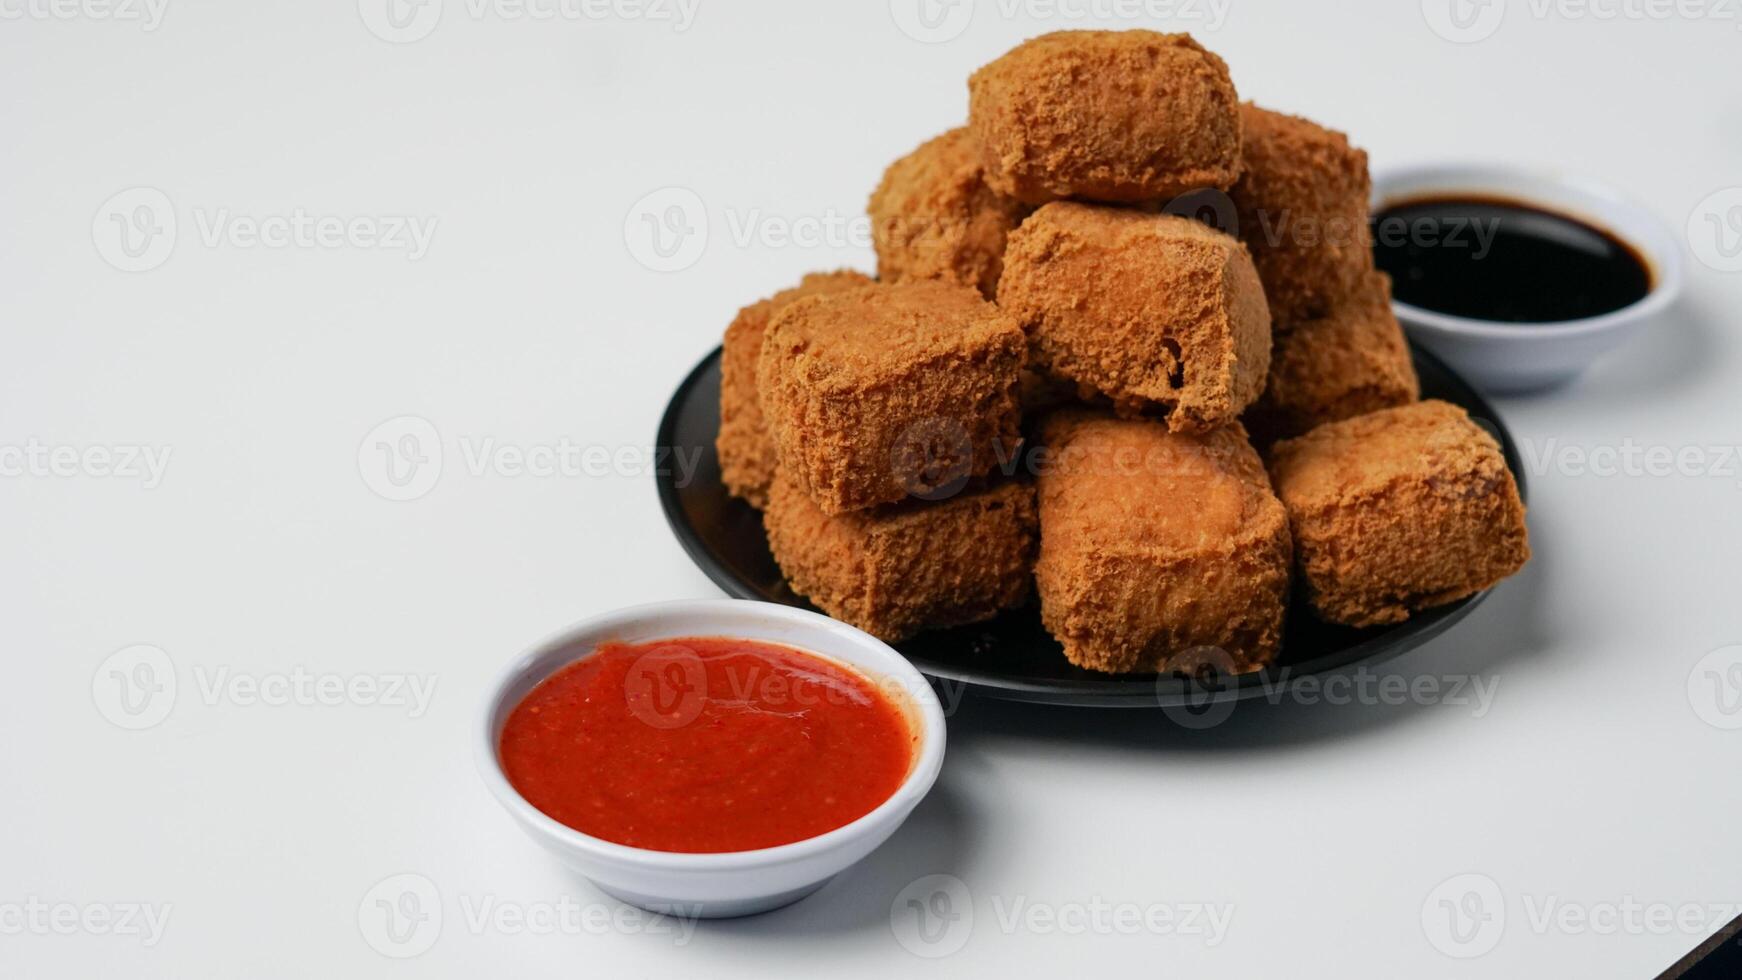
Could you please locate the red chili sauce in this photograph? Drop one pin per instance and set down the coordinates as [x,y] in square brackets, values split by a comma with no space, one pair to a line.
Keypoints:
[706,744]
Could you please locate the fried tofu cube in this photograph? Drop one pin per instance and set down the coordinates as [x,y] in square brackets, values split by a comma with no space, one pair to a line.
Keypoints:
[747,454]
[1351,361]
[1120,116]
[1302,207]
[1147,309]
[1155,545]
[933,217]
[893,571]
[888,392]
[1398,511]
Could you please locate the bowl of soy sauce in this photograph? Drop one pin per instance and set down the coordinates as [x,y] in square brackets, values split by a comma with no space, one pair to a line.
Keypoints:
[1520,279]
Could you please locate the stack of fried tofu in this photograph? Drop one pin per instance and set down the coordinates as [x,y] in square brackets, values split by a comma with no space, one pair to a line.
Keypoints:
[1058,381]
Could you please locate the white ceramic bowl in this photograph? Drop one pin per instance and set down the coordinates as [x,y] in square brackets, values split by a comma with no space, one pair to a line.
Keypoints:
[1509,357]
[739,882]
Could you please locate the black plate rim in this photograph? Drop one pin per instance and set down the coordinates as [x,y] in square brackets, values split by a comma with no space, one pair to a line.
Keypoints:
[1132,692]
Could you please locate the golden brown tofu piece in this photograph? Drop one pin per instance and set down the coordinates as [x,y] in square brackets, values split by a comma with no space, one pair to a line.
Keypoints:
[1351,361]
[886,392]
[1154,545]
[1302,207]
[1398,511]
[933,217]
[893,571]
[747,455]
[1147,309]
[1120,116]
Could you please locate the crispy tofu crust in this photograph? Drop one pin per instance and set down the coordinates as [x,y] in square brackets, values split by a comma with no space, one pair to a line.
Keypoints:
[933,217]
[1148,309]
[1154,545]
[886,392]
[1302,207]
[893,571]
[1399,510]
[1120,116]
[747,453]
[1349,362]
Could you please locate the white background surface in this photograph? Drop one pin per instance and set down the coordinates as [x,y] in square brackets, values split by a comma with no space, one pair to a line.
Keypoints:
[1591,779]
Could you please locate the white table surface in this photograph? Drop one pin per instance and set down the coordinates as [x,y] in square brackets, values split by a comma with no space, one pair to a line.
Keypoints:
[1591,780]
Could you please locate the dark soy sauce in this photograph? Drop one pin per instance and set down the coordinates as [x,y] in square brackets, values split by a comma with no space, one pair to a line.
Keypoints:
[1495,259]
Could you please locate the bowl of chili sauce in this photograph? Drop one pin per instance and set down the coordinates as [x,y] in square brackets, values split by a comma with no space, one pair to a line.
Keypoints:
[710,758]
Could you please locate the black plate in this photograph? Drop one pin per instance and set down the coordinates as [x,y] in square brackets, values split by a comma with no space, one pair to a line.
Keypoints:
[1013,657]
